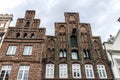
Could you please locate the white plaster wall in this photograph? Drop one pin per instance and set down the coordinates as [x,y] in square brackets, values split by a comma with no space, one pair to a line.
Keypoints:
[115,56]
[7,23]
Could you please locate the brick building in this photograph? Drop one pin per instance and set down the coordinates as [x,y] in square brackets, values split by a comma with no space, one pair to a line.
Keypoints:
[72,54]
[21,50]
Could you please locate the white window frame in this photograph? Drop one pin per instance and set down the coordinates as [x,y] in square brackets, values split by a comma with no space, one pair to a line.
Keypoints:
[49,70]
[11,50]
[89,71]
[27,50]
[23,69]
[7,69]
[101,71]
[76,71]
[63,71]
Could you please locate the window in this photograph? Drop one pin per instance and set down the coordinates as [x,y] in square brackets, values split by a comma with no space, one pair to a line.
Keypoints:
[25,35]
[86,54]
[23,73]
[76,71]
[32,35]
[63,71]
[63,53]
[27,24]
[118,65]
[27,50]
[17,35]
[73,30]
[5,72]
[89,71]
[73,39]
[74,55]
[49,70]
[101,71]
[11,50]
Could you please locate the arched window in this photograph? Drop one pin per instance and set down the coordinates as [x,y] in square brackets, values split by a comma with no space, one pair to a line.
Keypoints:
[74,55]
[73,39]
[27,24]
[74,30]
[25,35]
[32,35]
[17,35]
[86,54]
[63,53]
[60,53]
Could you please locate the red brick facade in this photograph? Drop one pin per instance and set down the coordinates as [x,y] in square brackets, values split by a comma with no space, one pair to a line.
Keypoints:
[46,49]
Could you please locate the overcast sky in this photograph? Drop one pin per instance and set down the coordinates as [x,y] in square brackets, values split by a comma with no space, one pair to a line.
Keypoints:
[101,14]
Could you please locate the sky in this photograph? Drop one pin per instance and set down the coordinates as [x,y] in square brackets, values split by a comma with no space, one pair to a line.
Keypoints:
[101,14]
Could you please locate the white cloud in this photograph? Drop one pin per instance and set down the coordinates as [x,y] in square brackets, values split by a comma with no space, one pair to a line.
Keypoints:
[5,4]
[102,15]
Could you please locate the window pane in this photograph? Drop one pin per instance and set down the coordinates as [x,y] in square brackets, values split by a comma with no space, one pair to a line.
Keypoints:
[76,71]
[49,70]
[89,71]
[101,71]
[65,53]
[73,41]
[63,71]
[5,72]
[11,50]
[74,55]
[27,50]
[23,73]
[60,54]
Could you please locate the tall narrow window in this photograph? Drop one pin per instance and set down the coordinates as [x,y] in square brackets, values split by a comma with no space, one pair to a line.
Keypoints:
[63,71]
[32,35]
[11,50]
[76,71]
[73,39]
[27,50]
[89,71]
[17,35]
[86,54]
[73,30]
[25,35]
[101,71]
[62,53]
[74,55]
[23,73]
[49,70]
[5,72]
